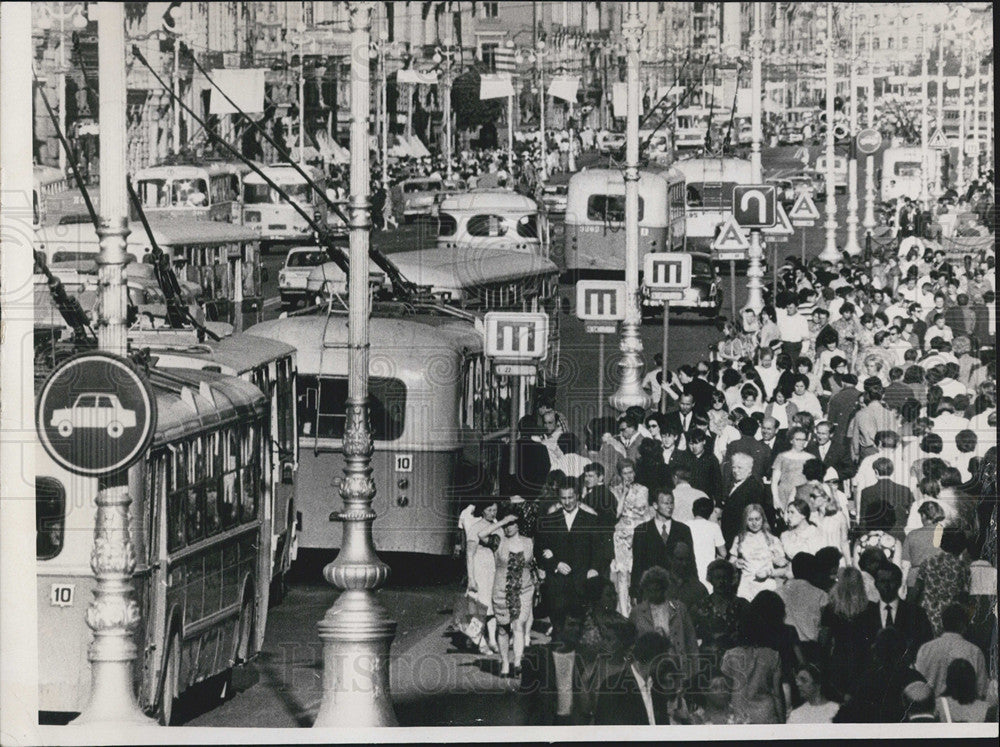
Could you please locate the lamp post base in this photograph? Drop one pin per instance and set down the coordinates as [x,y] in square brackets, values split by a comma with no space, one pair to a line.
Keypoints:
[630,392]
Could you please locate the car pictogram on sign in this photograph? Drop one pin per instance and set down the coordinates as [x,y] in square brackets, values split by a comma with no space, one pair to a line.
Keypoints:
[100,411]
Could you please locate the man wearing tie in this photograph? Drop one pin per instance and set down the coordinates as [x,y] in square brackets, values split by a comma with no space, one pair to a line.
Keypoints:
[568,550]
[653,541]
[907,618]
[685,418]
[830,453]
[747,489]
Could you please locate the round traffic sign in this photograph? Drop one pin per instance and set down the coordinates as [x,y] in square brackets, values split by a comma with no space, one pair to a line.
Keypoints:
[95,414]
[869,141]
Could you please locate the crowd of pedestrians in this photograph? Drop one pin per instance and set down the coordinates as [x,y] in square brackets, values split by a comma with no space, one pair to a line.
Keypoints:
[801,528]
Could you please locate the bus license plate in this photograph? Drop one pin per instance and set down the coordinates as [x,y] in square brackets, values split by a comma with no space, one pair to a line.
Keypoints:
[62,595]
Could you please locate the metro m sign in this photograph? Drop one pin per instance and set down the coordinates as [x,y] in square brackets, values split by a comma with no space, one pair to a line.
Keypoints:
[600,300]
[753,205]
[666,271]
[516,335]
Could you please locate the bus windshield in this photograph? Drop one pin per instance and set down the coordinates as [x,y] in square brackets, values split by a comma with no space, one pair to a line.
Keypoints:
[714,195]
[907,168]
[154,193]
[257,194]
[323,407]
[190,193]
[609,208]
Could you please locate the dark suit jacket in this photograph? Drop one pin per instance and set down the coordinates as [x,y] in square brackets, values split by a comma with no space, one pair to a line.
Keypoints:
[682,634]
[678,458]
[706,475]
[897,496]
[747,445]
[603,501]
[836,456]
[842,406]
[578,548]
[648,548]
[620,702]
[698,420]
[702,391]
[911,622]
[537,694]
[751,490]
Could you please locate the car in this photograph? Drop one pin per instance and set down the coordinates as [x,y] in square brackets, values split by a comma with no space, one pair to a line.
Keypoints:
[417,197]
[839,172]
[802,184]
[554,197]
[94,410]
[703,296]
[324,280]
[611,142]
[294,276]
[745,136]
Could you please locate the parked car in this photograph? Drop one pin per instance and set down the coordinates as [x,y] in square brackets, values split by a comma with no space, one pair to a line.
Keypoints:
[703,296]
[612,141]
[554,197]
[416,197]
[294,276]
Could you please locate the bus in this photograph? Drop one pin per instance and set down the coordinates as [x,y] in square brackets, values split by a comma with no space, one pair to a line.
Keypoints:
[270,366]
[270,214]
[595,217]
[708,193]
[690,126]
[48,182]
[209,191]
[221,258]
[438,417]
[492,218]
[902,169]
[203,555]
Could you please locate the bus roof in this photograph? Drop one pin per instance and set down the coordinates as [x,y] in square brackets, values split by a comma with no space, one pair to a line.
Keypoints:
[234,355]
[489,199]
[188,170]
[584,184]
[166,233]
[209,400]
[45,175]
[455,268]
[713,169]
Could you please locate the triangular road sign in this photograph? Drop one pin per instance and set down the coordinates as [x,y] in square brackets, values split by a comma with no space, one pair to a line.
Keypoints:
[938,140]
[804,209]
[731,238]
[782,226]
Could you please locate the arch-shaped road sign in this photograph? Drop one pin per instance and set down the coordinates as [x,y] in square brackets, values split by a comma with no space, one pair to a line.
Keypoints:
[95,414]
[753,205]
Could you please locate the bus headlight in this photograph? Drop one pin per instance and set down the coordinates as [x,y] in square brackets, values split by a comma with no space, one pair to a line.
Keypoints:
[402,501]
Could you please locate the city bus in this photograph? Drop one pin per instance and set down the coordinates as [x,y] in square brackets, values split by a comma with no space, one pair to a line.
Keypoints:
[270,214]
[708,194]
[270,366]
[222,258]
[902,169]
[209,191]
[492,218]
[690,126]
[437,414]
[595,217]
[202,548]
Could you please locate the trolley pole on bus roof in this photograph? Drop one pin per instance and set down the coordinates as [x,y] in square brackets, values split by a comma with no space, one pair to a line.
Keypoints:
[114,613]
[357,631]
[630,391]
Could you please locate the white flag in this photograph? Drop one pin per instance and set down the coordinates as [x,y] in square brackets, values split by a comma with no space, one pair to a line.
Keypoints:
[564,87]
[245,87]
[497,86]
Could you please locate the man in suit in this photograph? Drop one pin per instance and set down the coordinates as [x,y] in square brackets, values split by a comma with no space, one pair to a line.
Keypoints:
[908,618]
[568,549]
[599,497]
[843,404]
[768,437]
[891,494]
[653,541]
[629,437]
[697,388]
[686,417]
[647,692]
[706,474]
[673,456]
[832,454]
[747,488]
[748,444]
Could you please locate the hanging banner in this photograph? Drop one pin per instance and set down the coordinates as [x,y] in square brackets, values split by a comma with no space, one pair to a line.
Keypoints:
[497,86]
[619,98]
[244,87]
[415,76]
[564,87]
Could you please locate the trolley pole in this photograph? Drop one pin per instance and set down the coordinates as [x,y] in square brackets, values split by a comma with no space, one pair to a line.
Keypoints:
[630,391]
[113,614]
[357,631]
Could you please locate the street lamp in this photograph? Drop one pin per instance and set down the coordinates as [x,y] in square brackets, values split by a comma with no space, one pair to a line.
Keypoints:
[830,252]
[869,220]
[357,631]
[381,48]
[630,391]
[755,272]
[77,15]
[445,54]
[851,246]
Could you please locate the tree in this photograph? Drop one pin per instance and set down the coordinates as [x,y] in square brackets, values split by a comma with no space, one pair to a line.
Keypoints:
[470,111]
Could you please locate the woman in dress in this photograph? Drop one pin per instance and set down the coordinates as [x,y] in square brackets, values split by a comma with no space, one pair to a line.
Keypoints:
[787,473]
[943,578]
[716,619]
[513,586]
[757,554]
[730,348]
[844,636]
[718,415]
[480,565]
[816,708]
[633,510]
[801,535]
[828,516]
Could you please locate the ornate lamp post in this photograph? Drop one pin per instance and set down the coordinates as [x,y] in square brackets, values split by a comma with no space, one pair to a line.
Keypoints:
[357,631]
[77,15]
[382,48]
[113,614]
[537,56]
[830,252]
[925,160]
[444,55]
[755,272]
[869,220]
[630,391]
[852,247]
[300,40]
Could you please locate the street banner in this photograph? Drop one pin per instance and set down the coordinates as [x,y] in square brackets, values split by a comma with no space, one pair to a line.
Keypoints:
[619,98]
[499,86]
[504,59]
[245,87]
[564,87]
[415,76]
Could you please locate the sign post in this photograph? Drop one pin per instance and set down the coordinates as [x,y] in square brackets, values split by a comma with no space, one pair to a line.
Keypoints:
[754,207]
[666,275]
[601,305]
[731,244]
[803,214]
[779,233]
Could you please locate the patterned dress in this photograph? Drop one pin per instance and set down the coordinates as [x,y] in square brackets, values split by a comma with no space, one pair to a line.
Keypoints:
[514,582]
[633,510]
[945,578]
[761,551]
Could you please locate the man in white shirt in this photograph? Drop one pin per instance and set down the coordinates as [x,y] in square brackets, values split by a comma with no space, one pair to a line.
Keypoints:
[685,495]
[706,534]
[768,372]
[934,656]
[793,329]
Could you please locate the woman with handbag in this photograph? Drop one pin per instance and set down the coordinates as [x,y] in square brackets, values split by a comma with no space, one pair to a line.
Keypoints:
[481,567]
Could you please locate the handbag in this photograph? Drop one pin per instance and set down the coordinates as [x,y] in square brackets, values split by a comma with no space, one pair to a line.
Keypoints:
[469,617]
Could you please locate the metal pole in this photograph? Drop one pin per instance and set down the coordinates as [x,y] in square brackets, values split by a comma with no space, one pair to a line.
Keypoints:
[62,83]
[113,613]
[357,631]
[510,136]
[514,389]
[302,100]
[543,171]
[940,78]
[384,123]
[176,107]
[757,90]
[869,220]
[600,374]
[666,357]
[975,112]
[852,247]
[830,252]
[925,161]
[630,391]
[572,158]
[774,273]
[960,175]
[446,113]
[732,288]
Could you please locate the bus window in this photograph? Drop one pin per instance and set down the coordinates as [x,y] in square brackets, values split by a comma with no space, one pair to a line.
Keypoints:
[250,442]
[447,225]
[176,484]
[220,189]
[677,197]
[255,194]
[487,225]
[50,517]
[211,482]
[527,227]
[907,168]
[190,193]
[710,195]
[195,502]
[386,400]
[286,430]
[609,208]
[230,448]
[154,193]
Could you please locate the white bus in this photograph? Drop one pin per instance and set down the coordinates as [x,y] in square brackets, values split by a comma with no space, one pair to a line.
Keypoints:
[902,169]
[709,195]
[191,191]
[278,222]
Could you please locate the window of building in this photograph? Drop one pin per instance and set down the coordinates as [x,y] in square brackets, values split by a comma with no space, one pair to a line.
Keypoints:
[489,10]
[890,43]
[488,54]
[905,42]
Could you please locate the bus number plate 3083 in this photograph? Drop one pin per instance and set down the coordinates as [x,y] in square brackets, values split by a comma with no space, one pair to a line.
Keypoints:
[62,595]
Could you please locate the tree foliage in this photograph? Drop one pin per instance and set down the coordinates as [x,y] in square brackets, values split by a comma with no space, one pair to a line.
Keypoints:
[470,111]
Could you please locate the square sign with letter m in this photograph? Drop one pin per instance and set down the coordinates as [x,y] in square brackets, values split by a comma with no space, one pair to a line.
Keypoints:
[600,300]
[516,335]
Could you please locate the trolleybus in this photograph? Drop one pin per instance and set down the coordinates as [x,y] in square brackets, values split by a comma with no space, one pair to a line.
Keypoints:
[708,194]
[272,216]
[209,191]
